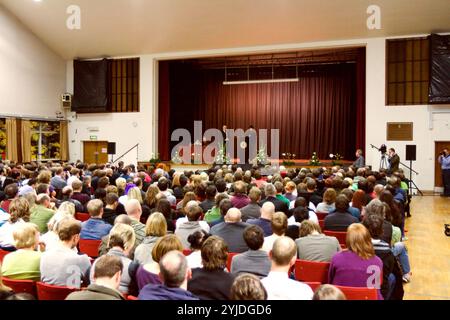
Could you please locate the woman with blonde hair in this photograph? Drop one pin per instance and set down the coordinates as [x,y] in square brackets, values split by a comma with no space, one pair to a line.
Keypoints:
[149,272]
[189,196]
[121,243]
[155,228]
[121,183]
[358,266]
[51,239]
[19,210]
[151,196]
[23,264]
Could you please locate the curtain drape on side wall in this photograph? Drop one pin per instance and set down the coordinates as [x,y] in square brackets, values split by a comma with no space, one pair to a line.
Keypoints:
[26,141]
[64,140]
[11,139]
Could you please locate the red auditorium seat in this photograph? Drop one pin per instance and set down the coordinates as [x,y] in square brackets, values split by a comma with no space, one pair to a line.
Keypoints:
[187,252]
[21,286]
[50,292]
[311,271]
[132,298]
[321,215]
[230,258]
[82,216]
[353,293]
[322,224]
[89,247]
[341,236]
[314,285]
[3,253]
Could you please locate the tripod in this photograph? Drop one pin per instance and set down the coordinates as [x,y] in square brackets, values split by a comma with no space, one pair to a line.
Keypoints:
[411,184]
[383,161]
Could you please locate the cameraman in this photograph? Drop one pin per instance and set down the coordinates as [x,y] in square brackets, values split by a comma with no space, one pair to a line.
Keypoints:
[394,161]
[444,160]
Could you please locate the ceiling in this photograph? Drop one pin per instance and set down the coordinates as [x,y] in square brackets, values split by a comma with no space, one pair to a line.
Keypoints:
[131,27]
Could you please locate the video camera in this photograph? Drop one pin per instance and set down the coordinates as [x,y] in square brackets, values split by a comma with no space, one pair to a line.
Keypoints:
[383,149]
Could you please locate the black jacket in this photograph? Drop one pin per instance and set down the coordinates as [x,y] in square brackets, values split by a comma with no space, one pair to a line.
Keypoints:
[279,205]
[339,221]
[211,285]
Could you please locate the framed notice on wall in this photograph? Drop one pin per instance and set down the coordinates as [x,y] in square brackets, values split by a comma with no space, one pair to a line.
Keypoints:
[399,131]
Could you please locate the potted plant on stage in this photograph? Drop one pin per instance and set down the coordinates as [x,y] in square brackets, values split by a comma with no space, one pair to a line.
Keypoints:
[314,161]
[288,159]
[336,159]
[155,160]
[222,157]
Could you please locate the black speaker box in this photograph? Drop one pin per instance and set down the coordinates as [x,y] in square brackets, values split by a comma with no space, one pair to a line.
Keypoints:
[411,152]
[111,148]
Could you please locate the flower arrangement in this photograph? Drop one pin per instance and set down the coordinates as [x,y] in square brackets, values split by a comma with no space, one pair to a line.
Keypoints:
[314,161]
[176,157]
[288,159]
[154,160]
[336,159]
[222,157]
[261,157]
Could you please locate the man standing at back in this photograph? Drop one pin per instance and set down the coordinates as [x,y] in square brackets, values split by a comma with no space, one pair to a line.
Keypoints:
[444,160]
[394,161]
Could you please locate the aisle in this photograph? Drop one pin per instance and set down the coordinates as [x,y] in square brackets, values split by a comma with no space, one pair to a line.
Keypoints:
[429,249]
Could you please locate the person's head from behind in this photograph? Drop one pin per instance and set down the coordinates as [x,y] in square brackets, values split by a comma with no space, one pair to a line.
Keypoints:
[254,195]
[248,287]
[267,210]
[375,207]
[112,200]
[279,223]
[328,292]
[163,206]
[43,200]
[270,190]
[19,209]
[329,197]
[108,271]
[197,238]
[77,185]
[11,191]
[164,245]
[359,241]
[254,237]
[284,253]
[240,188]
[374,223]
[221,185]
[194,212]
[95,208]
[26,236]
[342,203]
[214,253]
[211,192]
[68,231]
[233,215]
[224,206]
[133,209]
[174,271]
[156,225]
[300,214]
[122,236]
[309,228]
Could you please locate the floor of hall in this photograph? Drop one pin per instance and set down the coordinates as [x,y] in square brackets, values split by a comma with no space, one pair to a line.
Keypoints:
[429,249]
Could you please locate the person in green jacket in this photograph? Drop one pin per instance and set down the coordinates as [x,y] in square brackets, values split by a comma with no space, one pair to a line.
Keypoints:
[42,213]
[23,264]
[213,214]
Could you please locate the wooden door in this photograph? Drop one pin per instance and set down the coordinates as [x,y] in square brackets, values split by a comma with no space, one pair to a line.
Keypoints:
[95,152]
[438,147]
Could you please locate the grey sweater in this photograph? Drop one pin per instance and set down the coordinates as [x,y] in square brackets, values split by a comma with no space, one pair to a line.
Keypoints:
[143,252]
[256,262]
[185,230]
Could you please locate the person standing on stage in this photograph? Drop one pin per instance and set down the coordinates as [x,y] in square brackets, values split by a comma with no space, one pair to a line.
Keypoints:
[394,161]
[359,162]
[444,160]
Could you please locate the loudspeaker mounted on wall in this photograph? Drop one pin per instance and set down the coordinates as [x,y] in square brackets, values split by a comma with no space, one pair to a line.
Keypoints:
[111,148]
[411,152]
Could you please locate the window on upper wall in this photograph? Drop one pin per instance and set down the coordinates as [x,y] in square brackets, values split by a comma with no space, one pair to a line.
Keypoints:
[2,139]
[407,71]
[124,85]
[45,140]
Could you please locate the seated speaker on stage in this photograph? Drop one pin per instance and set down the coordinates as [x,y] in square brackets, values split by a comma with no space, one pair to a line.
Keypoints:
[359,162]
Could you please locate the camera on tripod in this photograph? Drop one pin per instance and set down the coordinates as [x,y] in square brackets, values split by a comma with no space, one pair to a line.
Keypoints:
[383,149]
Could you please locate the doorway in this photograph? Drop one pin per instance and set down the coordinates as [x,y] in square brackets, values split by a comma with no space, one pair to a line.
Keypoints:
[95,152]
[438,147]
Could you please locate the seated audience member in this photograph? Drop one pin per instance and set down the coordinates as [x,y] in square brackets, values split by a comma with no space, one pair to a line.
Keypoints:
[270,192]
[313,245]
[103,249]
[248,287]
[277,283]
[328,292]
[11,192]
[377,207]
[163,186]
[62,265]
[41,213]
[149,272]
[184,229]
[209,202]
[255,260]
[174,274]
[188,197]
[155,228]
[240,199]
[329,198]
[77,194]
[19,214]
[66,197]
[121,242]
[314,195]
[279,226]
[58,181]
[134,211]
[349,267]
[178,183]
[279,187]
[151,197]
[252,210]
[163,206]
[51,239]
[110,210]
[265,220]
[300,214]
[23,264]
[291,191]
[341,218]
[231,231]
[192,206]
[196,240]
[212,282]
[95,228]
[107,276]
[302,202]
[392,287]
[353,209]
[224,206]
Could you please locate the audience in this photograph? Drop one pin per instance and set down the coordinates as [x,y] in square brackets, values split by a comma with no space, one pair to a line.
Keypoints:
[240,198]
[134,211]
[255,260]
[110,211]
[253,209]
[94,228]
[247,287]
[232,230]
[196,240]
[341,218]
[265,220]
[209,202]
[329,198]
[19,214]
[277,283]
[194,213]
[41,213]
[279,225]
[155,228]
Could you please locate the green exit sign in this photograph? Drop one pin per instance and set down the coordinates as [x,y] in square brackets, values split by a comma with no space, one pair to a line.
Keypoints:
[93,138]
